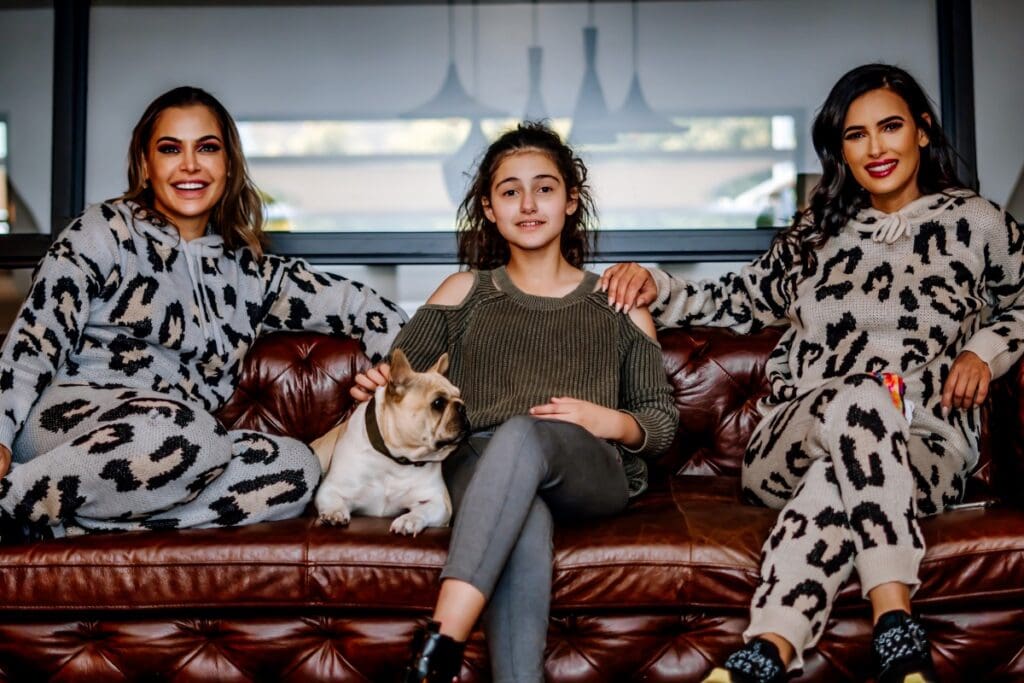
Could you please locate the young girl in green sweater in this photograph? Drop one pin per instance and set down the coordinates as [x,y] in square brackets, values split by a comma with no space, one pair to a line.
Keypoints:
[562,392]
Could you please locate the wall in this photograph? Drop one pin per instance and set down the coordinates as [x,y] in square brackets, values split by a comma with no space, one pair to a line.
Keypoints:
[999,94]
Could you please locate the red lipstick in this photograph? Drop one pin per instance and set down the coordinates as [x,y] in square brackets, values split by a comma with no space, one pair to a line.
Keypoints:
[881,169]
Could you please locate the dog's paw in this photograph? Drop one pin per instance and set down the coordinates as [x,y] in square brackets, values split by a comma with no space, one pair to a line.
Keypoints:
[335,518]
[408,524]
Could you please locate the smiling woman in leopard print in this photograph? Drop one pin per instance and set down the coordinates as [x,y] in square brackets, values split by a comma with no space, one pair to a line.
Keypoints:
[902,296]
[134,332]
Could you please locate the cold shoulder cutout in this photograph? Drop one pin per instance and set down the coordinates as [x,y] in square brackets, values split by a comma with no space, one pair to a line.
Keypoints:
[454,290]
[641,317]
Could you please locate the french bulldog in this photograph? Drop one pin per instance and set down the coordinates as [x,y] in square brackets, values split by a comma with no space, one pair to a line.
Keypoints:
[385,459]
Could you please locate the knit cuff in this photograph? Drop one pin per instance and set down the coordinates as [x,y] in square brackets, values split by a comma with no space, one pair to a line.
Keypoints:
[659,307]
[788,622]
[889,564]
[658,432]
[991,347]
[643,430]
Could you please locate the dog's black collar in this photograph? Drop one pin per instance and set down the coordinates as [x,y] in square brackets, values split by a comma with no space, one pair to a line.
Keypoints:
[377,441]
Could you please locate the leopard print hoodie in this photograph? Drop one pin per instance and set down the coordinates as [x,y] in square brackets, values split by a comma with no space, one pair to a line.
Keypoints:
[905,292]
[117,299]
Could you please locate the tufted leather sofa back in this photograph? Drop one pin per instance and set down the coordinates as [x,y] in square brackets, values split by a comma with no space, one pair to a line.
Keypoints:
[297,383]
[718,377]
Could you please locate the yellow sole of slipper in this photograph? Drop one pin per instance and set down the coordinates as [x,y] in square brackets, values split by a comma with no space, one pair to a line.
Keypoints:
[720,676]
[914,678]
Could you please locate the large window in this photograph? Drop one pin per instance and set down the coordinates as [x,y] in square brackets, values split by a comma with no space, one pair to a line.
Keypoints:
[361,119]
[364,117]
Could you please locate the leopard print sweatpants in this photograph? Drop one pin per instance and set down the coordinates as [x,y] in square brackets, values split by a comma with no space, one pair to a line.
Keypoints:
[93,458]
[851,477]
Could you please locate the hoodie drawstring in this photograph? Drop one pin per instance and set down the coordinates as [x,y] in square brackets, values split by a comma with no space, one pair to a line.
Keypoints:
[165,240]
[891,228]
[193,256]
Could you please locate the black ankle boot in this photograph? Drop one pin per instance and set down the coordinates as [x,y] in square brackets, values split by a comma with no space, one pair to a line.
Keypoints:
[436,658]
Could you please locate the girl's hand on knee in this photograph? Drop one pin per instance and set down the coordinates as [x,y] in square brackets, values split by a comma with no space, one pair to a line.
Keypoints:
[5,460]
[367,382]
[628,285]
[604,423]
[967,383]
[590,416]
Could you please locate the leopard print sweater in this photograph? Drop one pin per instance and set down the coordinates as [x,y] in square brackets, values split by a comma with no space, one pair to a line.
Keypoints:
[119,300]
[905,292]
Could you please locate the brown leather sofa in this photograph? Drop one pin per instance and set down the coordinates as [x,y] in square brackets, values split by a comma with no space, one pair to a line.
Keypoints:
[656,594]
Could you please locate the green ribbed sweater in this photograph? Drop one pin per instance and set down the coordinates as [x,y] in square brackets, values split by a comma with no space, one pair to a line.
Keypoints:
[509,351]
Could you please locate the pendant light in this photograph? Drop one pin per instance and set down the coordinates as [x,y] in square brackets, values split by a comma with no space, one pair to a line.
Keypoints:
[452,100]
[636,115]
[456,168]
[591,123]
[535,109]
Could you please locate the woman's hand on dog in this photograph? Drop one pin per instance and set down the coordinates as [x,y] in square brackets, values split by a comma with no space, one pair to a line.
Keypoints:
[604,423]
[5,460]
[367,382]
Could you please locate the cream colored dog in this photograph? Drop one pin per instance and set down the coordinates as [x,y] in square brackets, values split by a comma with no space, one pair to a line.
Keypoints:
[386,458]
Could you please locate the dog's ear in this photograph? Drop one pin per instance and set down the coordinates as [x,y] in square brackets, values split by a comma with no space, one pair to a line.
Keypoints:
[400,373]
[441,366]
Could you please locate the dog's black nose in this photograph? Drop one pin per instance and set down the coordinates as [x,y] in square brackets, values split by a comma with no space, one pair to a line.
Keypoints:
[460,410]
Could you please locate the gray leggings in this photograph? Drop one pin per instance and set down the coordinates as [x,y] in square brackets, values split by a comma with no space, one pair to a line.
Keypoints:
[507,488]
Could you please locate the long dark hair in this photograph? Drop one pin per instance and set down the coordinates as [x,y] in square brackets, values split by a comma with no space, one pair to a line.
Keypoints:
[480,244]
[838,197]
[238,216]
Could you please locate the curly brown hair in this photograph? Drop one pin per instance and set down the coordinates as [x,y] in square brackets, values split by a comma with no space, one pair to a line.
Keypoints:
[238,216]
[481,246]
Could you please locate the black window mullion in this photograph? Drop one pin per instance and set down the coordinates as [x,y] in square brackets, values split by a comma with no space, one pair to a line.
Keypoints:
[70,81]
[956,83]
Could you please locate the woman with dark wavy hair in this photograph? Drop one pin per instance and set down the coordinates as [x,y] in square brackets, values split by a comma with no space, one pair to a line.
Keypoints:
[901,293]
[139,318]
